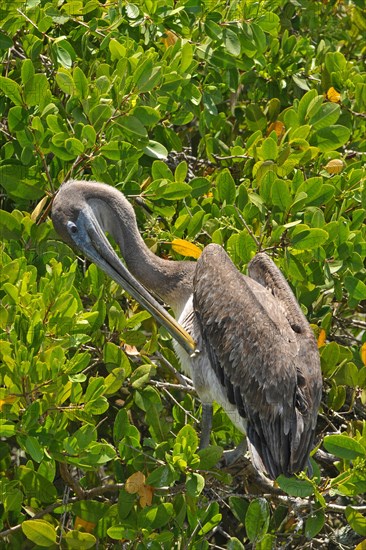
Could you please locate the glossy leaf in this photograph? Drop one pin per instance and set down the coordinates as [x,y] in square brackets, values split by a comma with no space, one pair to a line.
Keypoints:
[344,446]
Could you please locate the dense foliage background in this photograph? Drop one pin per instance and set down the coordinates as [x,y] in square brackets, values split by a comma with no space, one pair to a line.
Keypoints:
[241,123]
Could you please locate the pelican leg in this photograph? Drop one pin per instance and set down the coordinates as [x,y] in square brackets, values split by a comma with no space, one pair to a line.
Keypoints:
[230,457]
[206,425]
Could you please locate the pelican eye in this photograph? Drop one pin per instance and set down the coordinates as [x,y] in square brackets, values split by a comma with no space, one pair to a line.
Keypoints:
[72,227]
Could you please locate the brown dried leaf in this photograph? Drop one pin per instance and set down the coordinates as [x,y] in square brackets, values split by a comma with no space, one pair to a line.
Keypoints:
[334,166]
[135,483]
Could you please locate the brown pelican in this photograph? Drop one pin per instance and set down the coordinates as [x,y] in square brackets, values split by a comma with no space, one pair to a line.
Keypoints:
[243,340]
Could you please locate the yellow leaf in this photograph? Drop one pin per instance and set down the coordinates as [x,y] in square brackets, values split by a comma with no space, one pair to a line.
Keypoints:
[8,400]
[135,482]
[361,545]
[321,338]
[363,353]
[333,95]
[278,127]
[87,526]
[38,209]
[185,248]
[334,166]
[146,494]
[169,39]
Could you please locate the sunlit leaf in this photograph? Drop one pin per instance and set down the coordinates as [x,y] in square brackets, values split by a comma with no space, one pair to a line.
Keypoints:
[363,353]
[321,338]
[39,531]
[185,248]
[257,519]
[356,520]
[344,446]
[333,95]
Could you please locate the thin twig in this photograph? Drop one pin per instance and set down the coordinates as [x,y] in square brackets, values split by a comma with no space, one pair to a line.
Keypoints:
[247,228]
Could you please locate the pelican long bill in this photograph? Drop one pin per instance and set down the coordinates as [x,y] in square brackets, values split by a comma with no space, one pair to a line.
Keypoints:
[98,250]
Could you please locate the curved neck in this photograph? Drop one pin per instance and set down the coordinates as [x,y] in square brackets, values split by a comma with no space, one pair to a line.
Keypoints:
[171,281]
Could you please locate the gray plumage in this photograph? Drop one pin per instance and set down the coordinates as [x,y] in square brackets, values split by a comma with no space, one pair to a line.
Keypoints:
[257,355]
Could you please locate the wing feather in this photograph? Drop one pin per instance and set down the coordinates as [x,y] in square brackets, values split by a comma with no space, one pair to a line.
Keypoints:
[267,366]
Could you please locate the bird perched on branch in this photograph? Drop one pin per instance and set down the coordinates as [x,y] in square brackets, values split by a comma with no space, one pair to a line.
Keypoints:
[243,340]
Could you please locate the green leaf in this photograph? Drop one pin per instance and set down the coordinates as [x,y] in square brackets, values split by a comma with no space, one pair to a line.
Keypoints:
[255,118]
[142,375]
[318,193]
[11,89]
[199,186]
[89,135]
[10,227]
[14,178]
[7,429]
[27,70]
[133,128]
[355,287]
[257,519]
[157,516]
[114,381]
[314,523]
[194,484]
[74,147]
[161,171]
[34,448]
[327,115]
[344,447]
[304,105]
[232,42]
[146,76]
[163,476]
[331,138]
[117,49]
[281,195]
[80,541]
[62,55]
[186,442]
[120,150]
[226,187]
[356,520]
[146,115]
[266,543]
[209,456]
[307,238]
[81,83]
[330,354]
[17,118]
[65,81]
[335,62]
[239,507]
[155,150]
[213,30]
[173,191]
[99,115]
[40,532]
[295,487]
[5,41]
[269,22]
[269,149]
[181,170]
